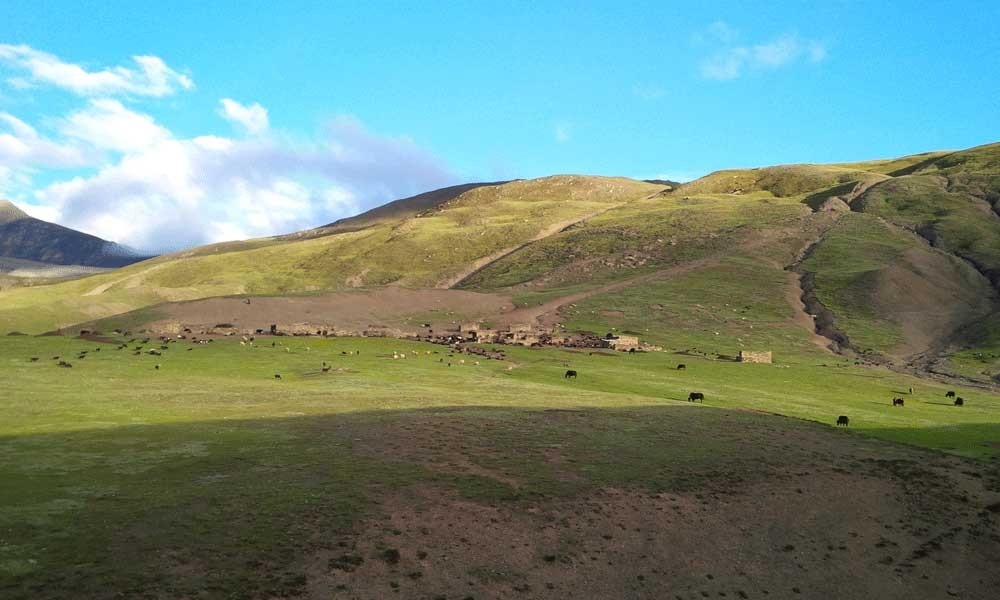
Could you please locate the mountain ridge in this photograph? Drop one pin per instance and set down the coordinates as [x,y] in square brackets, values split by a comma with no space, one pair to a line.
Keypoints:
[9,212]
[25,237]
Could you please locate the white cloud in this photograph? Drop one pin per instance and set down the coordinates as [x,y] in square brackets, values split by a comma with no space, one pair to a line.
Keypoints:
[730,61]
[108,125]
[718,32]
[563,132]
[45,213]
[167,193]
[22,147]
[139,184]
[149,77]
[253,118]
[725,65]
[778,52]
[817,51]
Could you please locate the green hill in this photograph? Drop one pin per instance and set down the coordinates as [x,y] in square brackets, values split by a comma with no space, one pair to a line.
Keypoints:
[894,260]
[425,250]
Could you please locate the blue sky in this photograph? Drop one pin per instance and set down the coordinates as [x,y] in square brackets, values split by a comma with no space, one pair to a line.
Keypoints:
[358,103]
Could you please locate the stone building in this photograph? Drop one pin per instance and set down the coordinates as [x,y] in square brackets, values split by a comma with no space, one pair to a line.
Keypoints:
[755,357]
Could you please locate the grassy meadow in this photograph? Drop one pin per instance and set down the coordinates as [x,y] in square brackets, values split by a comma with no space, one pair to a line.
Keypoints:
[210,474]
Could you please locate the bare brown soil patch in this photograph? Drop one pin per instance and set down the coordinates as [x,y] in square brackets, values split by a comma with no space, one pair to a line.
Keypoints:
[801,317]
[836,517]
[931,298]
[348,311]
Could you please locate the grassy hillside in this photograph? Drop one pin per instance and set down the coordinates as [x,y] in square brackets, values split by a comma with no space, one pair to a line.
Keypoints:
[398,209]
[418,252]
[896,166]
[901,257]
[649,234]
[891,294]
[782,181]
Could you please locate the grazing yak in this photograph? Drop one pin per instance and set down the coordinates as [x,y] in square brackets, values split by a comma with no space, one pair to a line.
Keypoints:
[843,420]
[897,402]
[950,394]
[696,397]
[277,376]
[959,401]
[570,374]
[681,367]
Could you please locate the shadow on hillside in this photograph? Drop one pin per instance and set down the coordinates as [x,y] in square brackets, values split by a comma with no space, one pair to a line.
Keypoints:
[816,200]
[235,505]
[916,166]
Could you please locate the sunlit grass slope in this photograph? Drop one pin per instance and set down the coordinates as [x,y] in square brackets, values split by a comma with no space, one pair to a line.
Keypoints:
[417,252]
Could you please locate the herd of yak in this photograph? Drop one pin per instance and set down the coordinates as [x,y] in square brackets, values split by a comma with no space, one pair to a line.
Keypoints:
[842,420]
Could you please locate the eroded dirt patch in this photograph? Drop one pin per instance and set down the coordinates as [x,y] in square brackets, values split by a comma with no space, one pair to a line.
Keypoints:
[343,311]
[829,516]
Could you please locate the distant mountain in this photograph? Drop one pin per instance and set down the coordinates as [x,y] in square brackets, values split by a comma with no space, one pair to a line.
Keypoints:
[25,237]
[665,182]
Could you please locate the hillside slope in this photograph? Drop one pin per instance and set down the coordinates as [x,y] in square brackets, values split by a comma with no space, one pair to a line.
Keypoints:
[891,261]
[906,280]
[27,238]
[422,250]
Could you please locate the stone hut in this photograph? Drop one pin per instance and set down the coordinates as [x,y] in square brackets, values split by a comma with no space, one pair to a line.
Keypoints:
[488,336]
[469,331]
[755,357]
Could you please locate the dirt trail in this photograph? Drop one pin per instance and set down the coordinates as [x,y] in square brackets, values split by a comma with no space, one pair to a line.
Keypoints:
[548,312]
[480,264]
[106,286]
[861,188]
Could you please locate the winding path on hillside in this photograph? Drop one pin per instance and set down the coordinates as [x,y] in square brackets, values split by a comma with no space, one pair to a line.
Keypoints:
[130,278]
[478,265]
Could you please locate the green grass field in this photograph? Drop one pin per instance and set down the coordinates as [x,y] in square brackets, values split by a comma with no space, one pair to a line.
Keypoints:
[114,458]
